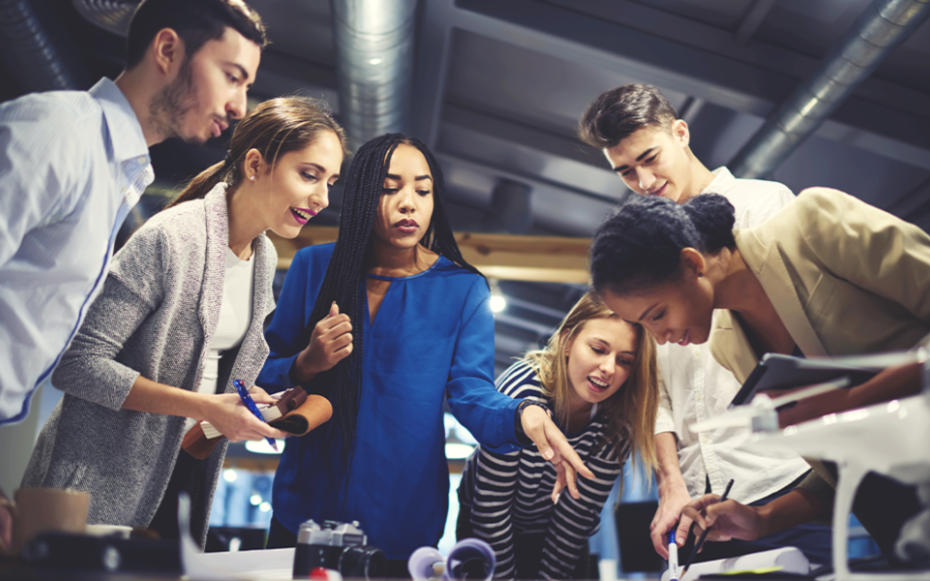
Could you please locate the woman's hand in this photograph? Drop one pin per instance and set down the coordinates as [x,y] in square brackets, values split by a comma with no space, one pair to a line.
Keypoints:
[552,445]
[724,520]
[330,343]
[230,417]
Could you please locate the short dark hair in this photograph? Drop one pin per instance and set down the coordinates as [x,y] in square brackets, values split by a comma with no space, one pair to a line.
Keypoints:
[639,247]
[195,21]
[620,112]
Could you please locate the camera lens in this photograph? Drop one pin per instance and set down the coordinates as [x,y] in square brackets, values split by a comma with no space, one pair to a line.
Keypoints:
[363,562]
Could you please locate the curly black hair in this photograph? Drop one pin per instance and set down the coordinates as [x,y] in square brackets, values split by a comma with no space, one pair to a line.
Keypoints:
[640,246]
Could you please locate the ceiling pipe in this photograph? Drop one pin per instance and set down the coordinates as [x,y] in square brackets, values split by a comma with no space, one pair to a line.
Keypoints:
[880,28]
[37,49]
[374,61]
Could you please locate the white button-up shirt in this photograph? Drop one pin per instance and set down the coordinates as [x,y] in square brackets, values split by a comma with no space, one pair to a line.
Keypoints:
[72,165]
[694,387]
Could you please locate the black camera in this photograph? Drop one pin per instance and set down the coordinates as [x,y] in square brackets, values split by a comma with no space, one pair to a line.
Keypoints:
[339,546]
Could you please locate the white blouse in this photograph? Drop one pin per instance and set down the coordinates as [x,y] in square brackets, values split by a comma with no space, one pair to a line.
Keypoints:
[235,316]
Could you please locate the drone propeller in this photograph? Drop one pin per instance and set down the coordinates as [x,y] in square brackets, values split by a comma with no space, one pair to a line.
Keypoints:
[764,407]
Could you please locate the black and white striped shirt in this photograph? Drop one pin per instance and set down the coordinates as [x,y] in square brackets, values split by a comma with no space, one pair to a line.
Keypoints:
[509,494]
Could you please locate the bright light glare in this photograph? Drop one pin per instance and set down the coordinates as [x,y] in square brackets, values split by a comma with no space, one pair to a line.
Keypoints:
[374,61]
[498,303]
[256,499]
[229,475]
[264,507]
[263,447]
[458,451]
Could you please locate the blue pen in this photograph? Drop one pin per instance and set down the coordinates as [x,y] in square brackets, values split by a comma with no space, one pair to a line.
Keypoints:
[672,557]
[247,400]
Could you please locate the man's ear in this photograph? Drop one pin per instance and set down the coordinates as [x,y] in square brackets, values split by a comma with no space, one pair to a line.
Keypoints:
[693,265]
[681,132]
[167,50]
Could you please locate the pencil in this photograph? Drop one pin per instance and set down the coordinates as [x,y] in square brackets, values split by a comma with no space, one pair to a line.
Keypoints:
[701,539]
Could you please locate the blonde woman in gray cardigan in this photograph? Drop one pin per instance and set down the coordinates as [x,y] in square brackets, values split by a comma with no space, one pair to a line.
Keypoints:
[179,318]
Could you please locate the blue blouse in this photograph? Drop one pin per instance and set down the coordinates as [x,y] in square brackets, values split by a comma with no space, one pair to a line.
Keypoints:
[433,335]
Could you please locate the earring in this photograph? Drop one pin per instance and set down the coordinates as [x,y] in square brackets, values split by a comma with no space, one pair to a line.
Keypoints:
[252,178]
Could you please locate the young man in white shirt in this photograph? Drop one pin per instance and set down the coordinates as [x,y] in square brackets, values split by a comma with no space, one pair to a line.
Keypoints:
[639,132]
[74,163]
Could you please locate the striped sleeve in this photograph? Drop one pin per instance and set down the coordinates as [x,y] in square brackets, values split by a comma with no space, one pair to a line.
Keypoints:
[574,520]
[492,507]
[495,478]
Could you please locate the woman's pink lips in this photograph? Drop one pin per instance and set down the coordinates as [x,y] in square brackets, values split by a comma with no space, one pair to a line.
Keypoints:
[684,339]
[407,226]
[596,388]
[300,219]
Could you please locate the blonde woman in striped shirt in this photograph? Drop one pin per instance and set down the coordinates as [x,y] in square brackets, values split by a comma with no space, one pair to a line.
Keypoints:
[597,376]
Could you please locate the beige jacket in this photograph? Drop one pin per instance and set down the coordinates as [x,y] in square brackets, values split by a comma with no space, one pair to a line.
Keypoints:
[845,278]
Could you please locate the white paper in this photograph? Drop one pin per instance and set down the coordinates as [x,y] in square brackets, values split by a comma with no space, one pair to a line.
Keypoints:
[790,559]
[270,564]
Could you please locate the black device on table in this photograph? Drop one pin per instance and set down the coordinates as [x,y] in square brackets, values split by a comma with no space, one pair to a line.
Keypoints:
[778,372]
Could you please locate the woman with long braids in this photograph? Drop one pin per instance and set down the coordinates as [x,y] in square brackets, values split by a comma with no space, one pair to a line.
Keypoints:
[828,275]
[385,322]
[180,317]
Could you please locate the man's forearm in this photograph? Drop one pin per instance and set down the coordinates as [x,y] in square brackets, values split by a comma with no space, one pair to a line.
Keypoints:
[668,470]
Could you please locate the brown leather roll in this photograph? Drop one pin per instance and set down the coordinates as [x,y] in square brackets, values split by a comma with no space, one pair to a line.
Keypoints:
[311,413]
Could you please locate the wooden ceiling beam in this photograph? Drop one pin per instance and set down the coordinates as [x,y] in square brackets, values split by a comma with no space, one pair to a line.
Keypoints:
[501,256]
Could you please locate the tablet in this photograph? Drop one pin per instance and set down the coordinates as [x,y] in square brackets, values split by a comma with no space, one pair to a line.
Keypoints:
[784,372]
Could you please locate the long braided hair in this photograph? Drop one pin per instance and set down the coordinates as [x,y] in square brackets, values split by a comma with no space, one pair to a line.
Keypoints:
[346,275]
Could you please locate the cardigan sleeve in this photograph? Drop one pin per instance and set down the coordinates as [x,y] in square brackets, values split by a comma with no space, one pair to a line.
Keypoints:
[133,289]
[868,247]
[286,328]
[488,414]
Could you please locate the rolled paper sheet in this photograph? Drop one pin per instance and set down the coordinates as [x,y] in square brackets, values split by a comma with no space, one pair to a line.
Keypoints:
[471,559]
[312,413]
[426,564]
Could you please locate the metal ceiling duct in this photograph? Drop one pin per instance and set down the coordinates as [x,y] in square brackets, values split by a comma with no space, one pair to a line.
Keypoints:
[880,28]
[110,15]
[374,61]
[37,49]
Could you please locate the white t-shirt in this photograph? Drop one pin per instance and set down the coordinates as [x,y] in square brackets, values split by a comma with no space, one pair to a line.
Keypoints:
[694,387]
[234,319]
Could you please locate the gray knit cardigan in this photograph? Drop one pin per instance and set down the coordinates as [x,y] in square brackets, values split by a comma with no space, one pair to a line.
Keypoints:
[155,316]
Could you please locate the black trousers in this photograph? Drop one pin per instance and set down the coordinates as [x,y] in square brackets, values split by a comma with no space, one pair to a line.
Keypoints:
[527,549]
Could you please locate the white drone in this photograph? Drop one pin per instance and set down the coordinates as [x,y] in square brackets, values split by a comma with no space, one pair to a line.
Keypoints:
[891,438]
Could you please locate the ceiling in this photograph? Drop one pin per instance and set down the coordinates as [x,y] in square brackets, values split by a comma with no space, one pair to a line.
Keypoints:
[499,86]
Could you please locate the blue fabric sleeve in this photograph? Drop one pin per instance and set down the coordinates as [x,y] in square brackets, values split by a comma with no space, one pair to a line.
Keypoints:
[473,399]
[286,327]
